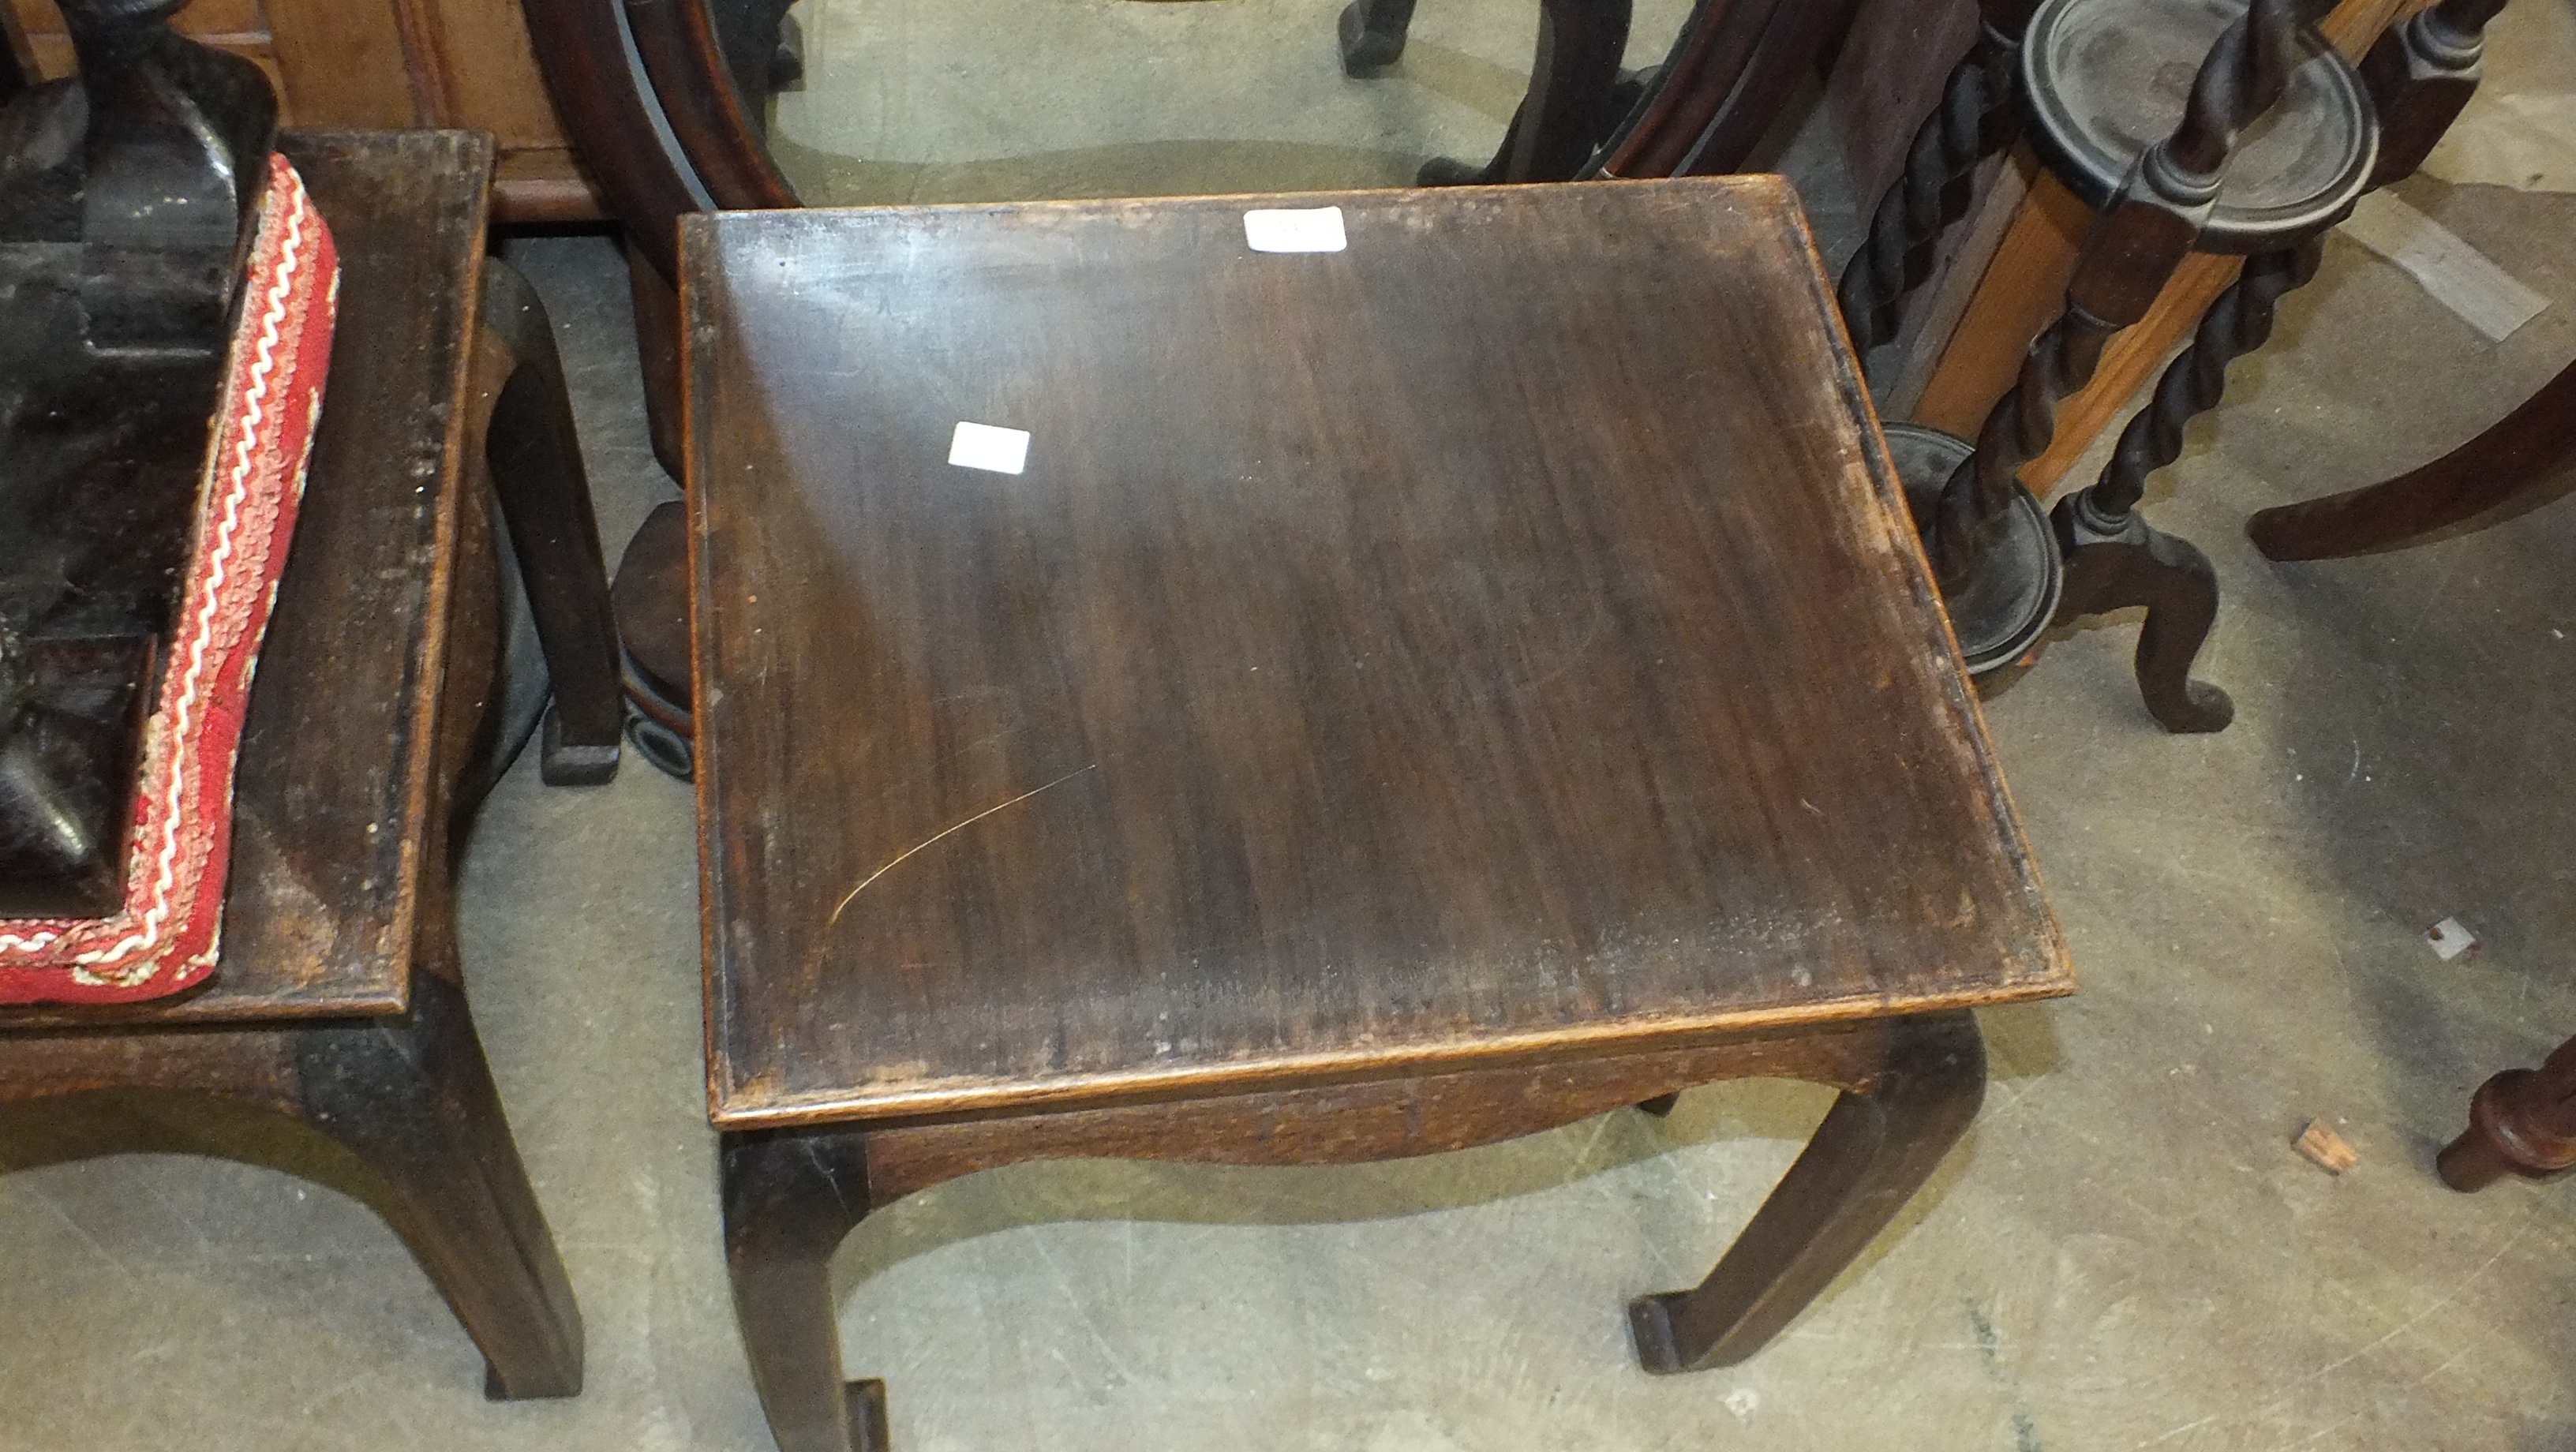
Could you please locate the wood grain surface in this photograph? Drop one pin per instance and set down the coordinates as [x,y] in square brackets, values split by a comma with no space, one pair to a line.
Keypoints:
[333,793]
[1500,639]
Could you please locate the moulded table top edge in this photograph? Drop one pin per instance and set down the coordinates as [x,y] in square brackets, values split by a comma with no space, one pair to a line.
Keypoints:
[930,1103]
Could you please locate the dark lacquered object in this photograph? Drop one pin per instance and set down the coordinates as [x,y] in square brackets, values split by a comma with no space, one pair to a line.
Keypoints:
[2187,125]
[123,198]
[1411,696]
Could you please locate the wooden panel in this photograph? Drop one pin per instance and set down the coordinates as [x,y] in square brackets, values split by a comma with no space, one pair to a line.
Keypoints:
[1500,637]
[477,70]
[2025,286]
[1889,77]
[202,17]
[344,64]
[329,826]
[53,55]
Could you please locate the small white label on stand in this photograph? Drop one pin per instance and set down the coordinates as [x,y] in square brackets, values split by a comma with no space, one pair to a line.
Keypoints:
[1302,229]
[2450,939]
[982,446]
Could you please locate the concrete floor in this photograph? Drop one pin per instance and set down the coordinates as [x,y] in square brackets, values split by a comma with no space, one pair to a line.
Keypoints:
[2124,1254]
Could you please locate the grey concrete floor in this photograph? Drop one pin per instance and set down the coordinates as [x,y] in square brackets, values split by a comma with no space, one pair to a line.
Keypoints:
[2124,1254]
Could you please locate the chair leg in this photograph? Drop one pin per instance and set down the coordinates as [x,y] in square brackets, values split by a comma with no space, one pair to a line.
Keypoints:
[535,460]
[2519,464]
[412,1100]
[1567,110]
[2521,1122]
[789,1198]
[1875,1148]
[1372,34]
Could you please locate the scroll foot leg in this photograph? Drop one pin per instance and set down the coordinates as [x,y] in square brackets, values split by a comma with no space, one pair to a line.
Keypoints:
[1875,1148]
[2113,564]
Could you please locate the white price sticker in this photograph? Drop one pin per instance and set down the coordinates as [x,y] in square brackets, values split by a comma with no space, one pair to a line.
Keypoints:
[1302,229]
[982,446]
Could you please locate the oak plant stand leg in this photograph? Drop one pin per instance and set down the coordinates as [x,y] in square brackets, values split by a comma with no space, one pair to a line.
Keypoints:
[412,1099]
[2521,1122]
[789,1198]
[2114,558]
[1876,1147]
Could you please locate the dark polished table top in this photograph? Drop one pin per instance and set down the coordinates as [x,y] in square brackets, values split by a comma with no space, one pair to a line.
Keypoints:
[1499,639]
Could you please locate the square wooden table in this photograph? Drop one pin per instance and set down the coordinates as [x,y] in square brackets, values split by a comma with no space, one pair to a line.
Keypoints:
[1408,695]
[338,1011]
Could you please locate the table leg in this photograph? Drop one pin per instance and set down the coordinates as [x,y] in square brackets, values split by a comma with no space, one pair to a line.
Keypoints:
[1372,34]
[2521,463]
[1877,1145]
[412,1100]
[1567,110]
[789,1198]
[535,462]
[2521,1122]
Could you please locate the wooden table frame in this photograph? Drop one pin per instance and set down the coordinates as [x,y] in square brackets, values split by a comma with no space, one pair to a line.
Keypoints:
[338,1013]
[1909,1089]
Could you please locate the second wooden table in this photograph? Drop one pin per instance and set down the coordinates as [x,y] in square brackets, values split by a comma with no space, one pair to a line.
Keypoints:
[1406,696]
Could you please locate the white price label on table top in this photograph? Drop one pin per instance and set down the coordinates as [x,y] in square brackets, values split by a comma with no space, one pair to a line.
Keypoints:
[982,446]
[1298,229]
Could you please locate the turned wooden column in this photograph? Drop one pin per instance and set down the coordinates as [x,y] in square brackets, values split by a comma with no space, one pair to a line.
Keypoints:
[2521,1122]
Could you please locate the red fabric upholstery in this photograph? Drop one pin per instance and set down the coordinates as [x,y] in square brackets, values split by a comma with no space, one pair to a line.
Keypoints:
[166,937]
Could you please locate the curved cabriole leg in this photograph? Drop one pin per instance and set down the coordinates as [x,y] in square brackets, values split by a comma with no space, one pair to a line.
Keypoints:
[1372,34]
[1568,109]
[2520,463]
[789,1199]
[535,459]
[412,1099]
[1876,1147]
[2113,565]
[2521,1122]
[2114,558]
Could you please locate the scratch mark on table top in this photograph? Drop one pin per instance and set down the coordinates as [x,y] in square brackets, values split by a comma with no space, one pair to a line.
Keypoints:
[898,859]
